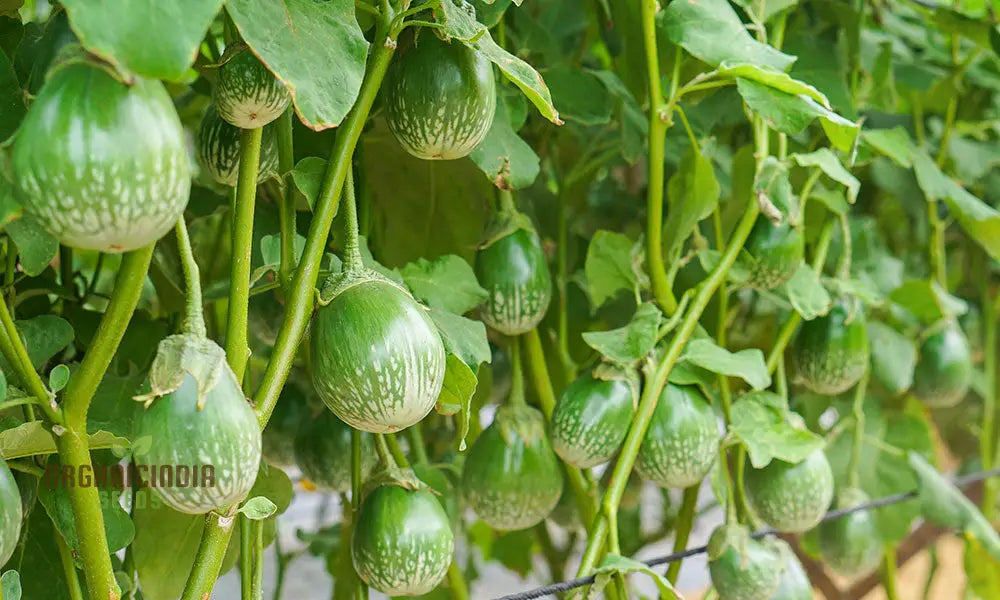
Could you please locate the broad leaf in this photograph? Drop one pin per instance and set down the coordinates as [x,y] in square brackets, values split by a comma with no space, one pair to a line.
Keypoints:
[748,364]
[893,355]
[316,49]
[693,192]
[927,300]
[806,293]
[522,75]
[778,80]
[711,31]
[633,341]
[942,503]
[456,394]
[613,265]
[506,159]
[32,439]
[772,184]
[614,564]
[36,246]
[833,168]
[893,143]
[758,422]
[791,114]
[307,175]
[44,336]
[151,38]
[257,508]
[579,95]
[634,124]
[447,283]
[463,337]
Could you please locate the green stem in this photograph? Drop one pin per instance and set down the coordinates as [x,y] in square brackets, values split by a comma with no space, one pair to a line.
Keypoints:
[194,317]
[682,529]
[73,446]
[562,282]
[785,334]
[889,573]
[516,398]
[69,570]
[987,436]
[417,443]
[553,557]
[507,204]
[384,454]
[858,410]
[257,581]
[658,124]
[16,353]
[547,401]
[246,558]
[237,348]
[208,560]
[286,208]
[654,385]
[357,472]
[397,451]
[456,581]
[352,246]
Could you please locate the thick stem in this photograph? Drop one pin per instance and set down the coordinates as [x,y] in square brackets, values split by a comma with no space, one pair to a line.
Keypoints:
[246,557]
[658,119]
[986,436]
[194,317]
[257,581]
[507,204]
[547,402]
[357,473]
[299,305]
[417,442]
[682,529]
[858,410]
[651,392]
[237,348]
[72,445]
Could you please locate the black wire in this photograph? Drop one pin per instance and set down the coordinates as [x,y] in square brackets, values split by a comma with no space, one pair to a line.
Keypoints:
[565,586]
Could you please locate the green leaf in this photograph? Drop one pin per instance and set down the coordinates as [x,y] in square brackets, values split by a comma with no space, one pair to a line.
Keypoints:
[772,183]
[36,246]
[58,378]
[459,21]
[778,80]
[10,586]
[257,508]
[10,208]
[934,183]
[634,125]
[791,114]
[893,143]
[927,300]
[808,296]
[11,99]
[765,11]
[832,199]
[506,159]
[633,341]
[447,283]
[894,357]
[463,337]
[520,74]
[153,39]
[711,31]
[613,564]
[44,336]
[32,439]
[944,504]
[748,364]
[307,175]
[270,251]
[613,264]
[693,192]
[828,162]
[39,566]
[758,422]
[273,484]
[316,49]
[579,95]
[456,394]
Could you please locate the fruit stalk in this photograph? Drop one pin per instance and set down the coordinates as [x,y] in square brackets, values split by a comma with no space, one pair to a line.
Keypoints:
[286,210]
[357,474]
[986,436]
[194,318]
[654,385]
[858,410]
[237,348]
[69,571]
[73,447]
[352,245]
[246,558]
[659,118]
[547,402]
[299,305]
[682,530]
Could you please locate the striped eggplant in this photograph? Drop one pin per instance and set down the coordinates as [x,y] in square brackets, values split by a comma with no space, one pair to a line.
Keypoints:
[830,353]
[218,149]
[792,498]
[592,418]
[102,164]
[682,441]
[944,372]
[247,93]
[514,273]
[439,98]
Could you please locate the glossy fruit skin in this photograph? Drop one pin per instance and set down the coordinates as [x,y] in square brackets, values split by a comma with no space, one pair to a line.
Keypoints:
[103,165]
[248,94]
[514,273]
[830,353]
[754,575]
[377,358]
[851,545]
[439,98]
[944,371]
[218,149]
[510,483]
[591,419]
[402,544]
[278,438]
[682,441]
[223,434]
[323,451]
[10,513]
[777,251]
[791,498]
[795,584]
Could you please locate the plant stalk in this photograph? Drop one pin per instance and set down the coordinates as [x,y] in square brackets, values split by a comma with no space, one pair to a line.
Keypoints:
[286,208]
[987,437]
[16,353]
[360,590]
[237,348]
[246,557]
[194,317]
[682,530]
[858,410]
[69,570]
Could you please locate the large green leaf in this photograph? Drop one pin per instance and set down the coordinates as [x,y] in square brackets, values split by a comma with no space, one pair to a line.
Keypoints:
[894,357]
[613,265]
[927,300]
[633,341]
[36,246]
[579,95]
[693,192]
[748,364]
[456,394]
[43,336]
[711,30]
[778,80]
[506,159]
[791,114]
[757,420]
[316,49]
[894,143]
[151,38]
[463,337]
[446,282]
[806,293]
